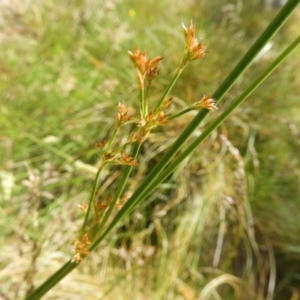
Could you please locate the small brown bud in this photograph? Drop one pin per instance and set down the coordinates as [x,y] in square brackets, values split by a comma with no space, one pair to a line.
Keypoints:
[133,138]
[123,116]
[101,144]
[167,102]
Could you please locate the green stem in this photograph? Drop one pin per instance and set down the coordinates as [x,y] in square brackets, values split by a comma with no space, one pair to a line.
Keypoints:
[95,185]
[184,111]
[140,195]
[148,186]
[112,139]
[52,281]
[143,105]
[268,33]
[146,96]
[124,179]
[229,81]
[273,27]
[168,90]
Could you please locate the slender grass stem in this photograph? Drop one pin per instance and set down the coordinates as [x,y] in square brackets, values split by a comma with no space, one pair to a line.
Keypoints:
[244,63]
[143,104]
[91,201]
[124,179]
[212,126]
[184,111]
[221,91]
[149,183]
[111,142]
[148,186]
[146,96]
[168,89]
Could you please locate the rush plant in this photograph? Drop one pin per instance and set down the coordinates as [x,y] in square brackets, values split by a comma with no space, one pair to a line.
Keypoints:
[102,214]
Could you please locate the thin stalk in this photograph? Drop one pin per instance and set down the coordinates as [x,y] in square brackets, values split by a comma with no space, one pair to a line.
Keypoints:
[221,118]
[184,111]
[145,189]
[168,89]
[52,281]
[225,86]
[92,197]
[124,179]
[273,27]
[112,139]
[219,94]
[143,105]
[146,95]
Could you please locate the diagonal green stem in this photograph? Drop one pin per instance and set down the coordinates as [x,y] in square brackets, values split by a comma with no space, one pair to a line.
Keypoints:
[92,197]
[124,179]
[52,281]
[162,176]
[184,111]
[112,140]
[144,190]
[168,89]
[144,187]
[143,104]
[225,86]
[221,91]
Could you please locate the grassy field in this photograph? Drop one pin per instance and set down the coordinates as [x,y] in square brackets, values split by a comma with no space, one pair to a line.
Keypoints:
[225,225]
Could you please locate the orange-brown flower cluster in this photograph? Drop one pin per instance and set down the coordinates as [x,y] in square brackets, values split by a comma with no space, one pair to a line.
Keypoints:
[152,120]
[101,144]
[122,159]
[207,102]
[133,138]
[81,248]
[102,205]
[123,116]
[194,49]
[162,118]
[109,156]
[127,160]
[146,68]
[166,103]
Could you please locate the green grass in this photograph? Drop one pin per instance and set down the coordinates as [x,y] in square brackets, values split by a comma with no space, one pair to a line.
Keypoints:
[64,68]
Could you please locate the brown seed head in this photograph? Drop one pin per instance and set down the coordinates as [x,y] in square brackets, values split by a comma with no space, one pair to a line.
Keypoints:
[101,144]
[162,118]
[133,138]
[128,160]
[207,102]
[103,204]
[139,59]
[146,68]
[194,49]
[167,102]
[108,156]
[123,114]
[81,248]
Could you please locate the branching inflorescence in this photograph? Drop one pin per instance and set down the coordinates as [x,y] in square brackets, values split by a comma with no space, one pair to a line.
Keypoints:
[124,151]
[97,212]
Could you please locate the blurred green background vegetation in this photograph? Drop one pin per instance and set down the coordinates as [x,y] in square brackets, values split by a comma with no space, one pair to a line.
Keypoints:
[225,224]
